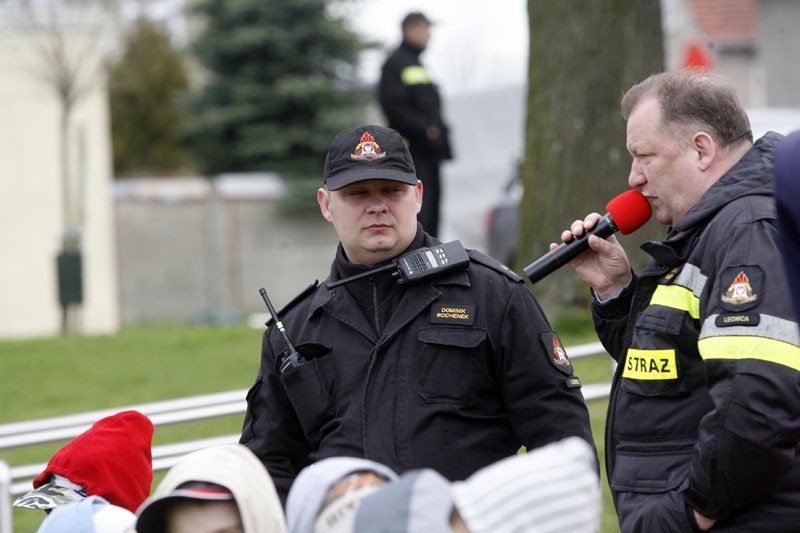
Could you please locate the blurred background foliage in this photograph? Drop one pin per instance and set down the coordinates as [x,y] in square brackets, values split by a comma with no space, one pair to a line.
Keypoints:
[145,85]
[277,85]
[262,86]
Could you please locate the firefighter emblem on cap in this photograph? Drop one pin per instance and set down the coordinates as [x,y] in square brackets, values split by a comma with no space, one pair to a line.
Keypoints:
[367,149]
[740,291]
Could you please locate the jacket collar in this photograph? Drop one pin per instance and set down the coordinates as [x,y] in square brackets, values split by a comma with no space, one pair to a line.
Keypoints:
[412,49]
[323,296]
[750,176]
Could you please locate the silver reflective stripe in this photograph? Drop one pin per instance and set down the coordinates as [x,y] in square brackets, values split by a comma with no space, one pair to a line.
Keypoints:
[770,327]
[691,278]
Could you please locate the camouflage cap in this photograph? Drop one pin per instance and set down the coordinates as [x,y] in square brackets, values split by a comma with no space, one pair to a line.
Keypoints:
[58,491]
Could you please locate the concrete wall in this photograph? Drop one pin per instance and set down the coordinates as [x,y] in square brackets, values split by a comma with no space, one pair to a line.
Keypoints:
[189,250]
[31,205]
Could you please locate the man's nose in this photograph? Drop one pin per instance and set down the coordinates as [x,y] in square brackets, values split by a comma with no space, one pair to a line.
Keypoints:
[636,177]
[377,203]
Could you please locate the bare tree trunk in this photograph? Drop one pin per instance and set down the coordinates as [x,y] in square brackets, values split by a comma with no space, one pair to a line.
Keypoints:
[63,161]
[70,234]
[583,56]
[64,37]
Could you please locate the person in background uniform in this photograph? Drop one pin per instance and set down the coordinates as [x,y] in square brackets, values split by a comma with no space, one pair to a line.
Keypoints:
[411,103]
[704,415]
[787,198]
[453,372]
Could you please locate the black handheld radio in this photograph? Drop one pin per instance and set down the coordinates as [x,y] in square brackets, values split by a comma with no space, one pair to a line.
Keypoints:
[292,359]
[419,264]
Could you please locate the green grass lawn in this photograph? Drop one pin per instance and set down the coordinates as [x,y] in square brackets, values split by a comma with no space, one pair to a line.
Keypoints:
[150,362]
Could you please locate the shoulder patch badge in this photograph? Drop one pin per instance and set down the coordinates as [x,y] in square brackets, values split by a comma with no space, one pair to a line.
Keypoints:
[741,287]
[558,356]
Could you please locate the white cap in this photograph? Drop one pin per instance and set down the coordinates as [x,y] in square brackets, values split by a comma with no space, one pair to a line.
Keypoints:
[554,488]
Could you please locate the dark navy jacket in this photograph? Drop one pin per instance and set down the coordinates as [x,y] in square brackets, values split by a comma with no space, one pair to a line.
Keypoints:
[411,102]
[787,198]
[705,405]
[458,372]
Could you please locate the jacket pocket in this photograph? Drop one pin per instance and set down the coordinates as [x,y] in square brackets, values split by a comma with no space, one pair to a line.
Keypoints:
[650,468]
[449,363]
[647,482]
[655,364]
[250,415]
[310,398]
[668,323]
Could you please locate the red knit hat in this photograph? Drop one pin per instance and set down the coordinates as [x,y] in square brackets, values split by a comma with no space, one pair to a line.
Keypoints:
[112,459]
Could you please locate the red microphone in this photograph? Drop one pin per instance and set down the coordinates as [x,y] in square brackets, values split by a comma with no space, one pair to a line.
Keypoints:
[627,212]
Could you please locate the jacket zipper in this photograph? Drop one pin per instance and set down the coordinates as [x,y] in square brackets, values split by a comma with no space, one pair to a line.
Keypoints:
[373,288]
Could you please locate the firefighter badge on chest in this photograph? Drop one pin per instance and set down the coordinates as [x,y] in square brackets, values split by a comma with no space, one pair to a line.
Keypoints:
[741,287]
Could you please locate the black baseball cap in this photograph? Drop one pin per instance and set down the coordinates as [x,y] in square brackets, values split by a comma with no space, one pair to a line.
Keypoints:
[368,153]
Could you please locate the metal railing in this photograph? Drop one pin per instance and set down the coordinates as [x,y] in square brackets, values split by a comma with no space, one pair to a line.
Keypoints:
[18,434]
[16,480]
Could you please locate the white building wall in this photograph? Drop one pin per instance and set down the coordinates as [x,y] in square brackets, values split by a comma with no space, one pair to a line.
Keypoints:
[781,51]
[31,211]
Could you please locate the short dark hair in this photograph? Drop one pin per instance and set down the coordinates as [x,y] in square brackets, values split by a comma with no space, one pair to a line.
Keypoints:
[691,98]
[414,18]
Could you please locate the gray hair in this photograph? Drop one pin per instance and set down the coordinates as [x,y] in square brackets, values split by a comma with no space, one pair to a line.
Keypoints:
[693,100]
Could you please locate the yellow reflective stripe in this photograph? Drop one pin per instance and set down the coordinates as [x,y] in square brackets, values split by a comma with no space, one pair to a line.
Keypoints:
[747,347]
[650,364]
[677,297]
[415,75]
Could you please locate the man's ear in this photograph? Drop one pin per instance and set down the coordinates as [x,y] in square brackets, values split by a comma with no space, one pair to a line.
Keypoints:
[324,201]
[706,148]
[419,190]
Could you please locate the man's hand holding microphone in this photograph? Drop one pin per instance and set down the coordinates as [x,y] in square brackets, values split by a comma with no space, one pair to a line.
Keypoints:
[606,268]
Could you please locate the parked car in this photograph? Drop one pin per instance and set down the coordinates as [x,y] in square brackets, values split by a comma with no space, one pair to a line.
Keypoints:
[502,218]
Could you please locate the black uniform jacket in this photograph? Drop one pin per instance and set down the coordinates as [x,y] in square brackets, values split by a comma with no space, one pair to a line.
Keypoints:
[459,373]
[705,406]
[411,103]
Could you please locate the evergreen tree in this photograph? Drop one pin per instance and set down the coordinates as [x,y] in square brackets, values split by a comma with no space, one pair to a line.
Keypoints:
[145,115]
[276,94]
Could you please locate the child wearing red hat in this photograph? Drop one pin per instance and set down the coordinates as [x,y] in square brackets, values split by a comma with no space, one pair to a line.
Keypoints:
[112,459]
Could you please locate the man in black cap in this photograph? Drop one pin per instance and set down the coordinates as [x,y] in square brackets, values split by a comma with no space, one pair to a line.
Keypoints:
[412,105]
[453,372]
